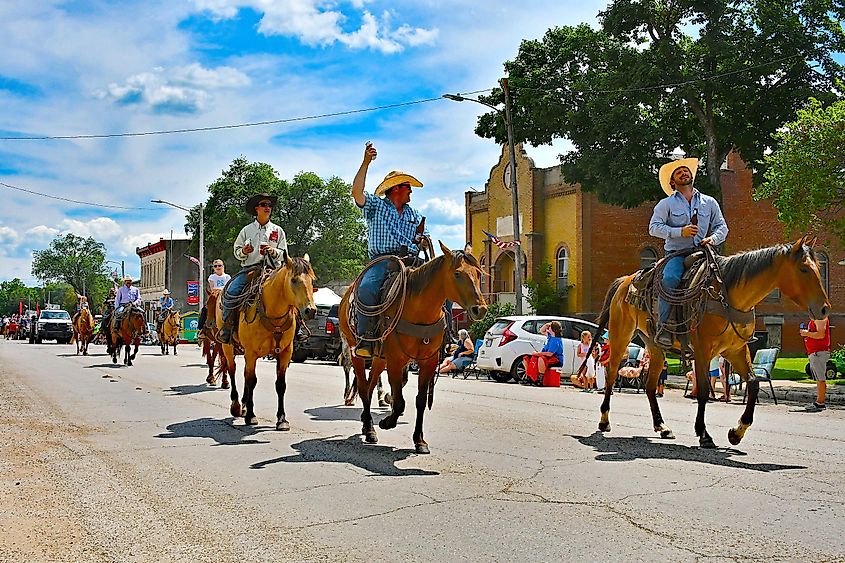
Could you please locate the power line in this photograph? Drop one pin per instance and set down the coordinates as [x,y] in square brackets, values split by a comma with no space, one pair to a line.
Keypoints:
[78,202]
[235,125]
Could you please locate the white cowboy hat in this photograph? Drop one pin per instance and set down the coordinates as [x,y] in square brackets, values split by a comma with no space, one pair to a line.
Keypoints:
[394,178]
[125,278]
[669,168]
[166,292]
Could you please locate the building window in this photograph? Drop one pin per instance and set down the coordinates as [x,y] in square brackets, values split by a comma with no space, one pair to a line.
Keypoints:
[822,258]
[562,269]
[483,281]
[648,257]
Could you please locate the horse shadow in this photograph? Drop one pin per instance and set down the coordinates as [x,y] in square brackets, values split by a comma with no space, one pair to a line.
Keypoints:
[621,448]
[118,365]
[340,412]
[195,366]
[376,459]
[223,432]
[178,390]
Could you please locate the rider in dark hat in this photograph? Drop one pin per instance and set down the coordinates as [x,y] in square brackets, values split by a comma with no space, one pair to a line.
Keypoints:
[259,238]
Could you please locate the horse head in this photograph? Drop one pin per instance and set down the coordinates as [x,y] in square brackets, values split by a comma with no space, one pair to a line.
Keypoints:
[463,285]
[800,279]
[137,322]
[297,284]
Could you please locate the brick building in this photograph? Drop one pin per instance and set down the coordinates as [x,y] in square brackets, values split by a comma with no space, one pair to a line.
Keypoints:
[164,265]
[589,244]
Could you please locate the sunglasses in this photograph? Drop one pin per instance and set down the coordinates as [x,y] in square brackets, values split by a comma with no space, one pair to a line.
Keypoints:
[218,265]
[265,204]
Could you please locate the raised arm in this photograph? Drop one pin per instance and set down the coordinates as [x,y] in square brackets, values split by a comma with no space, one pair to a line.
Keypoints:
[370,154]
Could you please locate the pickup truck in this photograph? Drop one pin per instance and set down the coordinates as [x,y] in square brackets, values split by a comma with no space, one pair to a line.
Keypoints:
[54,324]
[323,342]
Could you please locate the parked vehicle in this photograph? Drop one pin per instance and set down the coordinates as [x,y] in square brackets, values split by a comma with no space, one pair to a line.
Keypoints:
[322,339]
[54,324]
[511,339]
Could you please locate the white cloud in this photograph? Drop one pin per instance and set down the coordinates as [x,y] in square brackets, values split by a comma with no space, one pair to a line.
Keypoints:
[8,240]
[439,210]
[312,23]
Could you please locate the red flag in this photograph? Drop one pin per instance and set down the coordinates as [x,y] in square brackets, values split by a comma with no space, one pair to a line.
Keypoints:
[37,310]
[20,307]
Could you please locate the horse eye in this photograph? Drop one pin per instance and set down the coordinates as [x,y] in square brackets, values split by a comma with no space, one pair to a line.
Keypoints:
[805,270]
[457,274]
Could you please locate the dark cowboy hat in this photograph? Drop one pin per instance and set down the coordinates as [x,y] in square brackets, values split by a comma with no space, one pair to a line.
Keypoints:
[252,202]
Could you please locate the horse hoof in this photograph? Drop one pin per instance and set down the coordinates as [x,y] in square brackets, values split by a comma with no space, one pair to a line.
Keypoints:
[224,385]
[235,409]
[733,437]
[382,404]
[706,442]
[667,434]
[251,420]
[114,360]
[371,437]
[385,424]
[283,425]
[349,402]
[604,427]
[422,449]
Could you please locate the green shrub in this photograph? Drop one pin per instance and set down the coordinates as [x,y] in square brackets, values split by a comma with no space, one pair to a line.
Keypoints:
[494,311]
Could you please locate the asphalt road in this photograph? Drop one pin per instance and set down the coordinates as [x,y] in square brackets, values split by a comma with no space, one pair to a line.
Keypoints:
[108,463]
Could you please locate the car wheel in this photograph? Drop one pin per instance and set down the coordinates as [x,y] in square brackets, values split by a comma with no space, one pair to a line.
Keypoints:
[830,372]
[500,376]
[299,357]
[518,370]
[808,371]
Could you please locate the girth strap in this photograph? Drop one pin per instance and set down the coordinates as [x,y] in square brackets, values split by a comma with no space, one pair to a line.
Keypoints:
[736,316]
[277,329]
[422,331]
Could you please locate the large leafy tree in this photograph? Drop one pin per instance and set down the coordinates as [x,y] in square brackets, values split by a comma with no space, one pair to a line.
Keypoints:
[805,176]
[77,261]
[13,292]
[707,77]
[319,217]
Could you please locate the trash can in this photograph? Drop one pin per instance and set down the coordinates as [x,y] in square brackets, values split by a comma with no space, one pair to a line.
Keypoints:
[190,326]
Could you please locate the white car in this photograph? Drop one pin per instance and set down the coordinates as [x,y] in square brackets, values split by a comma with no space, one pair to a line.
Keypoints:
[510,339]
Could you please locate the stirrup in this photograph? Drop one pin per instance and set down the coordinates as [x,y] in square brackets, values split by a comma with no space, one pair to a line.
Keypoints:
[364,350]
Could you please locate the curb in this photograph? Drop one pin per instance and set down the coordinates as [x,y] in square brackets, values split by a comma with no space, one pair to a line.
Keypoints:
[787,394]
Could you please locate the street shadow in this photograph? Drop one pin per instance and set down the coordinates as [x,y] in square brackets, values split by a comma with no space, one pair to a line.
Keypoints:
[341,412]
[223,432]
[620,448]
[196,366]
[118,365]
[176,390]
[378,460]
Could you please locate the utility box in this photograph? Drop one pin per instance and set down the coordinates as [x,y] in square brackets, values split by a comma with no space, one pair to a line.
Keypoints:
[190,326]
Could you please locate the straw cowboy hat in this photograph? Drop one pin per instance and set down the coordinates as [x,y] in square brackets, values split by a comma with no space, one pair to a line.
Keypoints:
[252,202]
[166,292]
[394,178]
[669,168]
[127,278]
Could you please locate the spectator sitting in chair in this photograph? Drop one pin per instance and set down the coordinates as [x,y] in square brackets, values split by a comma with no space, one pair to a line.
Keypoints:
[633,372]
[552,352]
[462,356]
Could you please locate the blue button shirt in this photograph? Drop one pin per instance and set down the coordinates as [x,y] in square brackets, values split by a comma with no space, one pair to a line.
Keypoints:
[165,302]
[387,229]
[674,212]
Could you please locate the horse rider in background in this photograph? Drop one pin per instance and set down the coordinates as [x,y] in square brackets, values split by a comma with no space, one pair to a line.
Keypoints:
[216,282]
[165,305]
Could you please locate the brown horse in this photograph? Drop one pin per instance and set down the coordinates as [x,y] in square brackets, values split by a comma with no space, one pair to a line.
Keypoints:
[168,334]
[748,278]
[83,330]
[212,350]
[268,326]
[128,331]
[454,276]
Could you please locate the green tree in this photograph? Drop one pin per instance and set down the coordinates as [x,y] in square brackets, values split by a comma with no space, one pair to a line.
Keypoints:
[705,77]
[805,175]
[319,217]
[478,328]
[543,295]
[76,261]
[13,292]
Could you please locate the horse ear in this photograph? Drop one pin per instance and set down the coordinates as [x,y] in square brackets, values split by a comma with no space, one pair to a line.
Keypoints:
[812,242]
[798,245]
[286,258]
[307,258]
[444,248]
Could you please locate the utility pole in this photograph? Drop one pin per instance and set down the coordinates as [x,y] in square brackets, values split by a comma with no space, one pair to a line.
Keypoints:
[517,250]
[202,258]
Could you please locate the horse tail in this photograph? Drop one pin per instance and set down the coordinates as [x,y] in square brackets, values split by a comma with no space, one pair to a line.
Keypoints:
[602,320]
[221,366]
[206,348]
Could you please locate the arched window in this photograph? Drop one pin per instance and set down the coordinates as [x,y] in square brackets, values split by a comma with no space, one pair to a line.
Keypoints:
[562,269]
[648,256]
[823,262]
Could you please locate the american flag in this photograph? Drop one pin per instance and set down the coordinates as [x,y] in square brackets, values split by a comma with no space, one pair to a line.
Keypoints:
[194,260]
[501,243]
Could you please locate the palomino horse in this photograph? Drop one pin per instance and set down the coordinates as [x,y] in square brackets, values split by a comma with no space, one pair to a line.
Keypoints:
[748,278]
[127,332]
[83,330]
[211,348]
[168,335]
[454,276]
[268,326]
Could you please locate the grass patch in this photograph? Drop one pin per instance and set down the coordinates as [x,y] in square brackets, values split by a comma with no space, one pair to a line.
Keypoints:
[786,369]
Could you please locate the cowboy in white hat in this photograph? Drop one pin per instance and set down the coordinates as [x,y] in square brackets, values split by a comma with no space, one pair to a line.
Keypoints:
[126,295]
[685,218]
[165,304]
[391,225]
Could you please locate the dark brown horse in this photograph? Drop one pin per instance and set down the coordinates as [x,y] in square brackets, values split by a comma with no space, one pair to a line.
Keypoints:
[748,278]
[211,348]
[454,276]
[127,332]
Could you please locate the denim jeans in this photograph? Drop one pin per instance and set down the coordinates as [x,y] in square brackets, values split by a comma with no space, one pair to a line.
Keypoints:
[672,273]
[368,291]
[234,289]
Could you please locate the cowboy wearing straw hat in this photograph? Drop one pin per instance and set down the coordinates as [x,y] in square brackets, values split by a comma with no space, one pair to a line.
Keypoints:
[673,220]
[165,304]
[255,241]
[391,225]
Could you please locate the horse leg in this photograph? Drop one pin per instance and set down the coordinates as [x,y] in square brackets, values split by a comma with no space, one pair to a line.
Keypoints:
[175,342]
[397,401]
[380,394]
[702,382]
[351,392]
[282,363]
[426,379]
[741,360]
[250,381]
[365,389]
[137,342]
[654,368]
[218,352]
[227,367]
[621,327]
[115,349]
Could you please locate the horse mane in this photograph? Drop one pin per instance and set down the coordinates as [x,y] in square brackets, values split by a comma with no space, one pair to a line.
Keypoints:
[418,278]
[746,265]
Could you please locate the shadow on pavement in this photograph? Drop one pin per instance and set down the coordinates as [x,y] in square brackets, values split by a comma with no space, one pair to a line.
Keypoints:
[189,389]
[196,366]
[340,412]
[612,448]
[221,431]
[379,460]
[118,365]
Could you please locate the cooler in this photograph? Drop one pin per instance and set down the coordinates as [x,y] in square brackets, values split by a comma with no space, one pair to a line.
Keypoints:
[551,378]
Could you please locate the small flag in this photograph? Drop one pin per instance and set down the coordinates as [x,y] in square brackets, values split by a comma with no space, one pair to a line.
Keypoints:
[20,307]
[194,260]
[500,243]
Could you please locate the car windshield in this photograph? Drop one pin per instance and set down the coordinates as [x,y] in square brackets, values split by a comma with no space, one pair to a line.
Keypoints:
[323,310]
[498,327]
[55,315]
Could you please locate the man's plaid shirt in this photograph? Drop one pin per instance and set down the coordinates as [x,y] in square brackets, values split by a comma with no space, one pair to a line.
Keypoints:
[388,230]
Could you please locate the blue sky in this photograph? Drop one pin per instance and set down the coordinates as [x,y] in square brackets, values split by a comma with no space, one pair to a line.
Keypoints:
[83,67]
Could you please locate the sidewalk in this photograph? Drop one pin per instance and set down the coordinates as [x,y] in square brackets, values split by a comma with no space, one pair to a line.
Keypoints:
[786,391]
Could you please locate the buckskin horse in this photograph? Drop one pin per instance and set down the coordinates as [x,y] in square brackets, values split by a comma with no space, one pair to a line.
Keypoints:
[83,330]
[126,332]
[268,325]
[419,323]
[747,278]
[168,334]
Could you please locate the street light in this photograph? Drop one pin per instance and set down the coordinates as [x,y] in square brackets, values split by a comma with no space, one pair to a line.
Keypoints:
[506,115]
[201,245]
